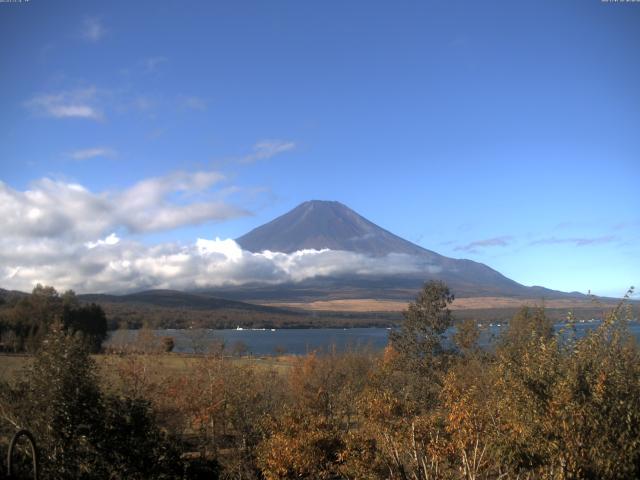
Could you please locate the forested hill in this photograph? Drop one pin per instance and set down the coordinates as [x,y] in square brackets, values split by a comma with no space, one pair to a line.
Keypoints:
[178,299]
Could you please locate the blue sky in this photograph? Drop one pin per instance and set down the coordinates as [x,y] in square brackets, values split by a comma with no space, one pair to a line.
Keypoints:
[504,132]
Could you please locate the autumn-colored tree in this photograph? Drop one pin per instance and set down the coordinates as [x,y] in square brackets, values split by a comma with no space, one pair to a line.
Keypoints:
[467,403]
[567,407]
[307,438]
[526,324]
[401,418]
[168,344]
[239,348]
[300,447]
[541,404]
[406,439]
[466,336]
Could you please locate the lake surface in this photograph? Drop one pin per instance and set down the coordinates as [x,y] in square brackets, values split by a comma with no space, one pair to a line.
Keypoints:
[301,340]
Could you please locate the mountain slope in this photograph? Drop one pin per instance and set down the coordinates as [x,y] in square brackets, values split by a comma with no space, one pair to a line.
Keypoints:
[321,224]
[327,224]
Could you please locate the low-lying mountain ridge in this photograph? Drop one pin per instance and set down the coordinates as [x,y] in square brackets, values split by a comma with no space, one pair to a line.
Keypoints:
[176,309]
[178,299]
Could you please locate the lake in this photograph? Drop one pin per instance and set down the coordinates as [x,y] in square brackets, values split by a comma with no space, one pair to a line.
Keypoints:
[301,340]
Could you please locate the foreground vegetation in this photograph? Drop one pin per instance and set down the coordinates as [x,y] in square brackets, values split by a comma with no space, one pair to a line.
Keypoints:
[539,405]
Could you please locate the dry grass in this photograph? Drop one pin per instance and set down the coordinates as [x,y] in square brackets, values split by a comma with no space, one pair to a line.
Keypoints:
[373,305]
[170,364]
[11,366]
[505,302]
[347,305]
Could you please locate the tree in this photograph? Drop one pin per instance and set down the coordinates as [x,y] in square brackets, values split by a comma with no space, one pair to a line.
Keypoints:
[425,321]
[419,341]
[88,320]
[300,447]
[130,444]
[466,398]
[307,439]
[569,407]
[81,432]
[239,348]
[404,429]
[526,324]
[30,317]
[466,336]
[168,344]
[62,405]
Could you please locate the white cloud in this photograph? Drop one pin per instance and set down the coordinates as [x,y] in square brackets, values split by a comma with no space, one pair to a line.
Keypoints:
[89,153]
[82,111]
[229,248]
[79,103]
[65,235]
[123,266]
[92,29]
[92,103]
[54,209]
[266,149]
[111,239]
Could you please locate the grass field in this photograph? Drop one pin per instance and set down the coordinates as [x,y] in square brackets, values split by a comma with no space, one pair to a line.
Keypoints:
[12,365]
[470,303]
[171,364]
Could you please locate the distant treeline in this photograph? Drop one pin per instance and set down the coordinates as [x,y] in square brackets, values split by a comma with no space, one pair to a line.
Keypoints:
[20,317]
[134,316]
[26,319]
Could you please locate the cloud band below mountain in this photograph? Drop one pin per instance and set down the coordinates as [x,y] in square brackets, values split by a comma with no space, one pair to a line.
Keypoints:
[113,265]
[64,235]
